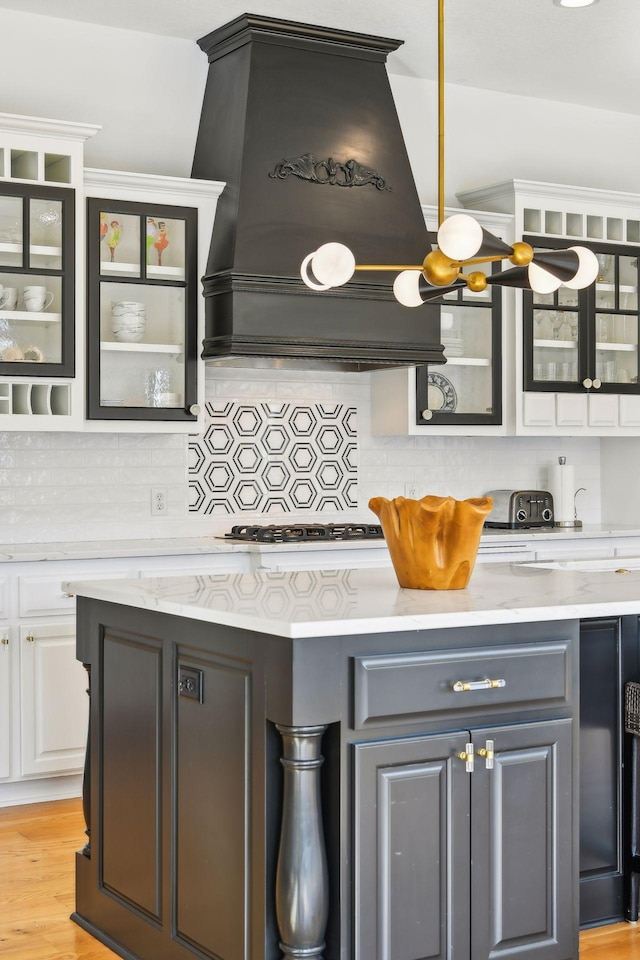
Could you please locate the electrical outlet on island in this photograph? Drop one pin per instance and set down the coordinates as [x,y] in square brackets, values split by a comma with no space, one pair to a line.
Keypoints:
[411,491]
[158,501]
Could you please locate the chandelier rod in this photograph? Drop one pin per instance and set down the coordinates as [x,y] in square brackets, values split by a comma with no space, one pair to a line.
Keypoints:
[440,112]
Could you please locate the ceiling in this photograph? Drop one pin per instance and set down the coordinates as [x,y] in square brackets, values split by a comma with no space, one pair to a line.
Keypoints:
[527,47]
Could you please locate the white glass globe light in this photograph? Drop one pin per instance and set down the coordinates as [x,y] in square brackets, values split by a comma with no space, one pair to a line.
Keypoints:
[541,280]
[406,288]
[304,273]
[333,264]
[587,270]
[460,237]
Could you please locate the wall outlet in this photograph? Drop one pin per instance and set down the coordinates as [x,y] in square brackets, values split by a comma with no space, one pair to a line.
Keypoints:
[158,501]
[411,491]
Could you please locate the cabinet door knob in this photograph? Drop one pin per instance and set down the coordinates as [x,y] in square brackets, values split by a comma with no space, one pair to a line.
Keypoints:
[4,641]
[426,414]
[488,754]
[30,639]
[597,384]
[587,383]
[195,409]
[468,757]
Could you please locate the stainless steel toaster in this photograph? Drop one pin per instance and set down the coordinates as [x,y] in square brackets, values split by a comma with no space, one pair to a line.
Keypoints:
[516,509]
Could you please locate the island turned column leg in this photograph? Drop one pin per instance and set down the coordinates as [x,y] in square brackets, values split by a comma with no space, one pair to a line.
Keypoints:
[86,778]
[302,883]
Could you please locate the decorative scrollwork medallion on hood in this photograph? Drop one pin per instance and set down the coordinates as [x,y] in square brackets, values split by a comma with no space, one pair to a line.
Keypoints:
[337,174]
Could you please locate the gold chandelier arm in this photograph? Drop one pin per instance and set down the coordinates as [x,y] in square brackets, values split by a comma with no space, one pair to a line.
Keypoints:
[465,263]
[388,266]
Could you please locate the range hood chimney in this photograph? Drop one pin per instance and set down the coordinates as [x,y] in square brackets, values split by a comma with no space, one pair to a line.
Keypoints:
[299,121]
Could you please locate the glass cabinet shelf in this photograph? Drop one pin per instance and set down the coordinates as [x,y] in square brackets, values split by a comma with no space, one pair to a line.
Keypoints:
[173,348]
[468,362]
[30,316]
[555,344]
[133,270]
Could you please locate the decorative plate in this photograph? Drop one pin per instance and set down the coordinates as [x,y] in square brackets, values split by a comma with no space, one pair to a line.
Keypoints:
[441,395]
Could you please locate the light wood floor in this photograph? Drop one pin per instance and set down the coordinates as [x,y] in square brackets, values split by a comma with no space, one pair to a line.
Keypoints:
[37,851]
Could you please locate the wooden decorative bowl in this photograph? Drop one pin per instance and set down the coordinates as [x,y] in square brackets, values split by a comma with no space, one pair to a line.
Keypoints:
[433,542]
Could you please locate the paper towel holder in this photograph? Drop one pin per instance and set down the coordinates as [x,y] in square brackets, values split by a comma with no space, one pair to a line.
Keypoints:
[574,522]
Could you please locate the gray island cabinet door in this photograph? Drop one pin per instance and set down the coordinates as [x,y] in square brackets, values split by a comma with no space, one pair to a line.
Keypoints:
[523,874]
[411,849]
[458,864]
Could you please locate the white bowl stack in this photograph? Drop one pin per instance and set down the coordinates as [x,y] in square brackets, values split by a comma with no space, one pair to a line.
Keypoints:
[128,320]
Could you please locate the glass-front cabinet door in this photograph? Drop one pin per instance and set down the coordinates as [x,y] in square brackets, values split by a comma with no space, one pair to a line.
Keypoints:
[142,306]
[588,339]
[467,389]
[36,281]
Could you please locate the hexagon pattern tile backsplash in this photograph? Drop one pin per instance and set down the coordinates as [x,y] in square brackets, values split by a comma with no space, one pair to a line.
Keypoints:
[279,457]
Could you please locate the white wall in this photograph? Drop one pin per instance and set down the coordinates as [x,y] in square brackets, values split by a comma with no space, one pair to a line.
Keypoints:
[491,137]
[146,91]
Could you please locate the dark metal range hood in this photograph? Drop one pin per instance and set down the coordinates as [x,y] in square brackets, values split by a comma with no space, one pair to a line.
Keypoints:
[299,121]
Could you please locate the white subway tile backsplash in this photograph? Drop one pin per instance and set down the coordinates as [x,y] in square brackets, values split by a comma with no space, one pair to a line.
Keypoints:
[65,486]
[12,441]
[304,390]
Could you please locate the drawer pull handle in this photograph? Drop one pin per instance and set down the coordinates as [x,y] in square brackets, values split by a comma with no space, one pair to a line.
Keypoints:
[30,639]
[67,595]
[464,686]
[488,754]
[468,757]
[4,641]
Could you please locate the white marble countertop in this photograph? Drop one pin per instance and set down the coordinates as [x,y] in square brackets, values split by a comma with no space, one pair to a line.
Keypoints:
[317,603]
[176,546]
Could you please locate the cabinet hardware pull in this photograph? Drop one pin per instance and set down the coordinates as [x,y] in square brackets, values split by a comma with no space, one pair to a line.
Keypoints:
[488,754]
[30,639]
[426,414]
[195,409]
[67,595]
[587,382]
[467,756]
[597,384]
[464,686]
[4,641]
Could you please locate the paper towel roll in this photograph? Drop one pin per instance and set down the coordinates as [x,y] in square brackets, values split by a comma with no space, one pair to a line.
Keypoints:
[562,488]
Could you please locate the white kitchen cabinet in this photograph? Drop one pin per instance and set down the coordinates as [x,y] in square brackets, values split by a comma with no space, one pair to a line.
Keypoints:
[46,372]
[41,245]
[152,379]
[54,706]
[466,396]
[574,372]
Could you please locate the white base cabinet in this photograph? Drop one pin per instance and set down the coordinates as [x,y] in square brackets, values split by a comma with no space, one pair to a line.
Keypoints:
[6,651]
[53,700]
[44,706]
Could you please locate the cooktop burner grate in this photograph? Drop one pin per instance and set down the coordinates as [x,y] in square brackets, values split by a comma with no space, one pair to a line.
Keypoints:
[299,532]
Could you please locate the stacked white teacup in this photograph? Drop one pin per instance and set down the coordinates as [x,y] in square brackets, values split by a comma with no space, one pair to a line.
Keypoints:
[128,320]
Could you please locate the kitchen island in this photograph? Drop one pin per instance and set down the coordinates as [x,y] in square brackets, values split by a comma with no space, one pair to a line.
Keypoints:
[321,764]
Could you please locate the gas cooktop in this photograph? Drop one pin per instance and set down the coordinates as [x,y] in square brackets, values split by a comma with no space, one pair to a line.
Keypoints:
[303,532]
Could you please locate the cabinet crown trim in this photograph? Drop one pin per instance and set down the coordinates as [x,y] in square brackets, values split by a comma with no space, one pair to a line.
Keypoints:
[143,183]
